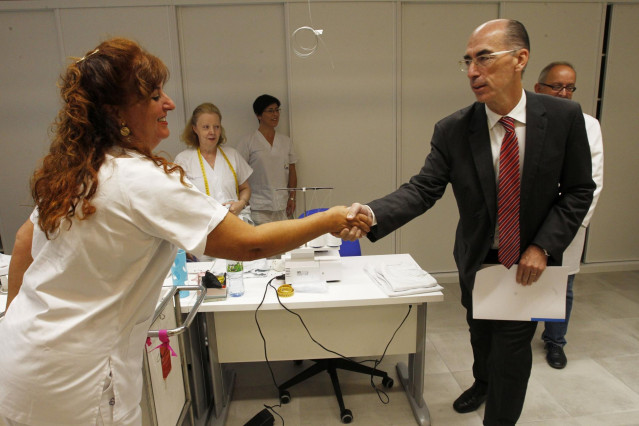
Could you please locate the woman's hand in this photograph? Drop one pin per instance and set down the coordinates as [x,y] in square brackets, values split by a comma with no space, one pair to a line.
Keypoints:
[235,207]
[290,207]
[359,220]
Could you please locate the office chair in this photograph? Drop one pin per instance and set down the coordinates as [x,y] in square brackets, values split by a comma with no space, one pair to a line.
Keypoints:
[330,365]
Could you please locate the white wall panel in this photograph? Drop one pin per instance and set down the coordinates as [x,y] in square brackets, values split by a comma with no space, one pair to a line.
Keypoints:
[614,229]
[84,28]
[344,117]
[30,102]
[557,33]
[361,110]
[433,87]
[230,56]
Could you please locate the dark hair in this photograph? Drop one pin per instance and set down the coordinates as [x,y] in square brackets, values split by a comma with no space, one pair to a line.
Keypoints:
[262,102]
[116,73]
[544,73]
[516,36]
[188,135]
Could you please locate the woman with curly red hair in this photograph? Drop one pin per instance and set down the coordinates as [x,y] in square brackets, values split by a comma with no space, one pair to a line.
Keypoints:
[87,267]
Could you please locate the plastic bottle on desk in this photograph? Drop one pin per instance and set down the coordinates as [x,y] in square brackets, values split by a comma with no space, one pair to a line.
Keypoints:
[178,271]
[235,277]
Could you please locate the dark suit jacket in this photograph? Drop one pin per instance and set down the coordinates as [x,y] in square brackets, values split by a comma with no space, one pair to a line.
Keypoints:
[556,182]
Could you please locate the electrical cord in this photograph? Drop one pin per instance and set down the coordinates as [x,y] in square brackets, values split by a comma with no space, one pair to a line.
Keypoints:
[383,396]
[268,363]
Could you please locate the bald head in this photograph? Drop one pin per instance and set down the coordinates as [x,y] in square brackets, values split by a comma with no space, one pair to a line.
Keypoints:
[497,54]
[557,79]
[512,32]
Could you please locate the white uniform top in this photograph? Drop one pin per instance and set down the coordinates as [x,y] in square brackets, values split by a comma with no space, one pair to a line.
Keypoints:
[87,300]
[572,254]
[270,169]
[220,178]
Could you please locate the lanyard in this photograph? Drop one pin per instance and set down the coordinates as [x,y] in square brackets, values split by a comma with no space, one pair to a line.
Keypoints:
[206,181]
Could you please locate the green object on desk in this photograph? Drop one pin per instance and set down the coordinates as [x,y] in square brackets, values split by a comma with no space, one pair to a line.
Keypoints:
[234,266]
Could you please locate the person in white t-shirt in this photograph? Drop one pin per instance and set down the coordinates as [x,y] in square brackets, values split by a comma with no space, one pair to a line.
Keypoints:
[219,172]
[87,268]
[272,157]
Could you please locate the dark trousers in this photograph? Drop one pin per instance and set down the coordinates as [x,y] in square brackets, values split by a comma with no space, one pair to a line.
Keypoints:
[502,361]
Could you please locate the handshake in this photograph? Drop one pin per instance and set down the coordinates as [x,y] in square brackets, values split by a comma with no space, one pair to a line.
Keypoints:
[358,221]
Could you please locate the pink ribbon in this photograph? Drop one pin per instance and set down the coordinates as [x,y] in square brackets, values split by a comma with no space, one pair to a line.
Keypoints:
[164,338]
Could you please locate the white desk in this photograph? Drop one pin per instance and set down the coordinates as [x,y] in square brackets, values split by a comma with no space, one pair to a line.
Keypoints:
[354,318]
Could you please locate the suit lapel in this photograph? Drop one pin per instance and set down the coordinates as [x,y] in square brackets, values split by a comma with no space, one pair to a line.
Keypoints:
[479,141]
[536,126]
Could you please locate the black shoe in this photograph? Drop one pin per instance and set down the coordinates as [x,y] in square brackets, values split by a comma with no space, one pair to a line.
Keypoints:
[471,399]
[555,356]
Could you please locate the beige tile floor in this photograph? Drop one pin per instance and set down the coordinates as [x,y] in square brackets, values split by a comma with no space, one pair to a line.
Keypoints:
[600,385]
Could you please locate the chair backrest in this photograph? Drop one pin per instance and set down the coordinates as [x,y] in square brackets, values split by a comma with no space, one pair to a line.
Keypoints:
[312,211]
[348,248]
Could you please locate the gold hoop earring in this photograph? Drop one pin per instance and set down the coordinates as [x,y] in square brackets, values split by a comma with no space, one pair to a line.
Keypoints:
[124,131]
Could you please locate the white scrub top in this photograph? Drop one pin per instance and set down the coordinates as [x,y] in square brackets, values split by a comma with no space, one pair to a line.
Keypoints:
[88,298]
[270,169]
[220,178]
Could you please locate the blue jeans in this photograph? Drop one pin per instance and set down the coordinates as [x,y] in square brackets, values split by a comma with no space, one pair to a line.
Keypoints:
[555,332]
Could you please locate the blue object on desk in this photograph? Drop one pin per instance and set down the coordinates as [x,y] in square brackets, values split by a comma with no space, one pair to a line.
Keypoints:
[178,271]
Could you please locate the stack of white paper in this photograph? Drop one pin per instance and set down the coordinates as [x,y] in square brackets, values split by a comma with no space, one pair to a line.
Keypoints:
[400,279]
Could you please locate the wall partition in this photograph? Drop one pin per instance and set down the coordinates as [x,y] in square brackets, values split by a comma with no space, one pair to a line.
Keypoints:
[360,108]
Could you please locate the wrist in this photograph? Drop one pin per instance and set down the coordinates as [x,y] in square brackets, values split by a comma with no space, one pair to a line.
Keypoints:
[543,249]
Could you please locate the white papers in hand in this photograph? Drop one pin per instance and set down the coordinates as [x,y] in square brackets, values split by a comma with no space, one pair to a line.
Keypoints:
[400,279]
[497,295]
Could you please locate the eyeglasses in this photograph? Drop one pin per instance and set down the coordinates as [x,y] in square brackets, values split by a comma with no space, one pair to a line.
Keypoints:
[482,61]
[558,87]
[272,110]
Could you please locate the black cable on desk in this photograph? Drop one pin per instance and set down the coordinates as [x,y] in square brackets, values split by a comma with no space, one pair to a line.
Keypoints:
[383,396]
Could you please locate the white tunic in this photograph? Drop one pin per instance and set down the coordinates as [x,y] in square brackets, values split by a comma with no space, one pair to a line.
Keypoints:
[87,299]
[220,178]
[572,254]
[270,169]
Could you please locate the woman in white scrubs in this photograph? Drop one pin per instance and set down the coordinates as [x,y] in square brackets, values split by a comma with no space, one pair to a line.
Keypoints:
[88,266]
[272,157]
[219,172]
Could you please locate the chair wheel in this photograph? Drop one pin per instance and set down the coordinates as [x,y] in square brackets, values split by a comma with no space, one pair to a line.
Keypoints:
[387,382]
[285,397]
[346,416]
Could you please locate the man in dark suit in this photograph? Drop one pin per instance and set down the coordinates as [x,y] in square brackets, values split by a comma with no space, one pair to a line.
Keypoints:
[554,190]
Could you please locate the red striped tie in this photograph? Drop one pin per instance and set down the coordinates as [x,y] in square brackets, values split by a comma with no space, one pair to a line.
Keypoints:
[508,196]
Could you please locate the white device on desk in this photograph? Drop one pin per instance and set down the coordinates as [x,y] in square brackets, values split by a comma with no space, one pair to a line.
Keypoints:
[314,262]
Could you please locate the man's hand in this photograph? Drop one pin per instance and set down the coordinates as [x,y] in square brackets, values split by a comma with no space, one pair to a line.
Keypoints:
[531,265]
[355,232]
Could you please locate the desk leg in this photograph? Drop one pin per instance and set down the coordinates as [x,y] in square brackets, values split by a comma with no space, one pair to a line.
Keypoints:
[412,378]
[223,379]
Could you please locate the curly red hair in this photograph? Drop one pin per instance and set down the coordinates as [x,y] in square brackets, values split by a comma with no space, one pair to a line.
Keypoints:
[117,73]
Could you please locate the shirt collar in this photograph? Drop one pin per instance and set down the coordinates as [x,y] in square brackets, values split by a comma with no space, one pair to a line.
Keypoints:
[518,113]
